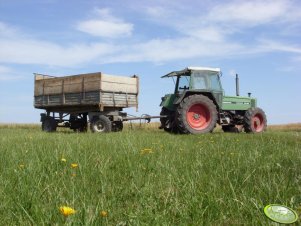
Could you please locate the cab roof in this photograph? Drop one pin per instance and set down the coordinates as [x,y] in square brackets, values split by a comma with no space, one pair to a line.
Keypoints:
[189,69]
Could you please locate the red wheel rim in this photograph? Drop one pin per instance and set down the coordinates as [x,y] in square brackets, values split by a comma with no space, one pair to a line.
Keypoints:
[198,116]
[257,122]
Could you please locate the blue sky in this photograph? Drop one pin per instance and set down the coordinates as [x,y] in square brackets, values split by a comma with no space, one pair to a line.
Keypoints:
[259,40]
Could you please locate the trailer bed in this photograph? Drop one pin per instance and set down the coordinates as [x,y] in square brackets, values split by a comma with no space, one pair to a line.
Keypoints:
[85,92]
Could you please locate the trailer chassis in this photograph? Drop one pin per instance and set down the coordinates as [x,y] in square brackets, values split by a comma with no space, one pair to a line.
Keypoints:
[103,121]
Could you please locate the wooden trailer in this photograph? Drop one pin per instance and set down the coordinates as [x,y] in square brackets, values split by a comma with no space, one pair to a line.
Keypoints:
[69,101]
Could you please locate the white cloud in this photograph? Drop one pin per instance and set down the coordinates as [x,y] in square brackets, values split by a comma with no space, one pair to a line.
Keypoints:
[164,50]
[7,74]
[106,25]
[31,51]
[6,31]
[210,34]
[159,12]
[217,31]
[249,13]
[4,69]
[17,47]
[267,45]
[220,20]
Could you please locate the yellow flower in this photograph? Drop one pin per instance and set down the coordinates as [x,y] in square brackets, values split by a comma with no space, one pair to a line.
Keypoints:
[66,211]
[146,151]
[21,166]
[103,213]
[74,165]
[63,160]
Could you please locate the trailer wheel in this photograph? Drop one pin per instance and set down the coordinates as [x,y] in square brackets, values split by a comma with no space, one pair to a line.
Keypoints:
[196,114]
[255,120]
[101,124]
[117,126]
[49,124]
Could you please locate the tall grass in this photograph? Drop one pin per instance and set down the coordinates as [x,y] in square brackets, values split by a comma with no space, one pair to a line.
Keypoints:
[146,177]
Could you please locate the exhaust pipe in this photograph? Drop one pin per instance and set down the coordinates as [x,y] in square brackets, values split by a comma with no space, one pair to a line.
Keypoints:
[237,85]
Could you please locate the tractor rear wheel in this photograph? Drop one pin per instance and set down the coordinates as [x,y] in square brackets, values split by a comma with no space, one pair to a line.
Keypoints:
[196,114]
[255,120]
[101,124]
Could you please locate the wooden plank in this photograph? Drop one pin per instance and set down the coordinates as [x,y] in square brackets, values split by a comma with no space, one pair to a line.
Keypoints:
[94,89]
[118,84]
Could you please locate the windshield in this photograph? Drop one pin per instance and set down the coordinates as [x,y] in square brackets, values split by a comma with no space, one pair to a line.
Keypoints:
[205,80]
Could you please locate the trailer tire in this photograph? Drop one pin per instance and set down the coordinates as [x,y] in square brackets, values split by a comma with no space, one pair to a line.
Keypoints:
[255,120]
[196,114]
[101,124]
[49,124]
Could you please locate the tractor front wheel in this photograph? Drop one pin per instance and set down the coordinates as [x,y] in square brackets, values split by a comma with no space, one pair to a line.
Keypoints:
[196,114]
[255,120]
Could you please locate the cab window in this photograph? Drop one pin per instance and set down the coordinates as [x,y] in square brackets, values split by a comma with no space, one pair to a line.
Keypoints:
[183,83]
[214,81]
[198,80]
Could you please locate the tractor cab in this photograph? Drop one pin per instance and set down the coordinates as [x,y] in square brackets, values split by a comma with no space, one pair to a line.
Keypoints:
[193,79]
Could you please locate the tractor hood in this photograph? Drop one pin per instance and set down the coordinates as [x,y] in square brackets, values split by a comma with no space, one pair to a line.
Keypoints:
[189,69]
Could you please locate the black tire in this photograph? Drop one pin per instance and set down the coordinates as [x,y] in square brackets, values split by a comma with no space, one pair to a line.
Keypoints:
[255,120]
[49,124]
[230,129]
[117,126]
[168,123]
[101,124]
[196,114]
[78,123]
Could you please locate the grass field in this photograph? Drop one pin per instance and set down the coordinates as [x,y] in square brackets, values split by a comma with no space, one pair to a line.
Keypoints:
[145,176]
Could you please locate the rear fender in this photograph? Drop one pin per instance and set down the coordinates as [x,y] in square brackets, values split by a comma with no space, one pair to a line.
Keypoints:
[188,93]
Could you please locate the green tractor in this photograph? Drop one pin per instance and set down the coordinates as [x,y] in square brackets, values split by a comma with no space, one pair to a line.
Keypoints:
[198,103]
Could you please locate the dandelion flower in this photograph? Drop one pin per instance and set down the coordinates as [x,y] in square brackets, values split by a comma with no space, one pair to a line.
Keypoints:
[146,151]
[21,166]
[103,213]
[74,165]
[63,160]
[66,211]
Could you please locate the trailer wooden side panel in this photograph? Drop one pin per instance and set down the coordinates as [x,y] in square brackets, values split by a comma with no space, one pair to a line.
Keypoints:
[94,89]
